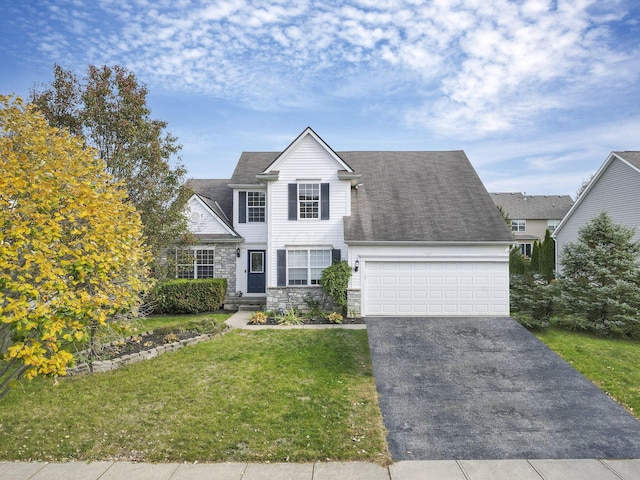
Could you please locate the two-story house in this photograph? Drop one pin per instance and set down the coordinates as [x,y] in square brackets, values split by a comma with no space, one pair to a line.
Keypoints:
[532,215]
[613,189]
[418,229]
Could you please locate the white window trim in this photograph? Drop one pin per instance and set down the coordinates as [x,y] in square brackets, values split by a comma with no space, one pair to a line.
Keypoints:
[194,250]
[308,266]
[520,225]
[299,202]
[263,207]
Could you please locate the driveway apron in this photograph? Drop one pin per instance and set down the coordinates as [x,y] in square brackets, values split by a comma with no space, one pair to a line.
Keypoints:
[454,388]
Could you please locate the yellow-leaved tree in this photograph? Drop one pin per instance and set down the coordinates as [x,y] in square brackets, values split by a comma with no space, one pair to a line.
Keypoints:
[71,248]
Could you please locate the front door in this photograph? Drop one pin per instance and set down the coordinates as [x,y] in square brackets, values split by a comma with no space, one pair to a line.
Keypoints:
[256,272]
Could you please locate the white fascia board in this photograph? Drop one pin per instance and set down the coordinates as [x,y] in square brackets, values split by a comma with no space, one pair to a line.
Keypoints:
[584,194]
[307,132]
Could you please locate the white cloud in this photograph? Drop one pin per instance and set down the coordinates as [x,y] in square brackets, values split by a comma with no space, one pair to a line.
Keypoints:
[479,67]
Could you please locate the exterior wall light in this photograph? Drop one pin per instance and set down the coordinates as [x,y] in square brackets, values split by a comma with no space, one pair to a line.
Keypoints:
[356,265]
[238,252]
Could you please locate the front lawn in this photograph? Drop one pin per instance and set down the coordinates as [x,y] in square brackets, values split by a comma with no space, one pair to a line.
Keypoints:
[244,396]
[612,364]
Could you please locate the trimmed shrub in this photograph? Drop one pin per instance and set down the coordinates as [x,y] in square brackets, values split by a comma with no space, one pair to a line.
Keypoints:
[534,301]
[335,280]
[188,296]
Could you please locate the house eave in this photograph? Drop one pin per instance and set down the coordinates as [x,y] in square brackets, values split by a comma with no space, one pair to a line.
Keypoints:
[268,177]
[425,243]
[351,176]
[247,186]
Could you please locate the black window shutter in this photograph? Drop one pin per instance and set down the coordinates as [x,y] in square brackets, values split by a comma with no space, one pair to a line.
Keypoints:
[282,268]
[324,201]
[242,207]
[293,201]
[335,255]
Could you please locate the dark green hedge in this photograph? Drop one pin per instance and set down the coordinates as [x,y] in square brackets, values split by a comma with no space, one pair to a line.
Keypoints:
[188,296]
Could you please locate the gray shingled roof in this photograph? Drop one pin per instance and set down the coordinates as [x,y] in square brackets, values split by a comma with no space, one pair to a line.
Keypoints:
[217,195]
[630,156]
[420,196]
[533,207]
[249,165]
[404,196]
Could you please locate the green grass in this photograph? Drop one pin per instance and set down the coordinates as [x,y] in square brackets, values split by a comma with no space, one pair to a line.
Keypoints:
[244,396]
[612,364]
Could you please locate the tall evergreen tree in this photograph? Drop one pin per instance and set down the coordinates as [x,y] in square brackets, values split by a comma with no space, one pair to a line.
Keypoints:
[547,257]
[535,257]
[601,277]
[108,108]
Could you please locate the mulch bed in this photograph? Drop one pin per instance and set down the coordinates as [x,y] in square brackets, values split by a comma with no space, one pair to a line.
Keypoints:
[320,321]
[145,341]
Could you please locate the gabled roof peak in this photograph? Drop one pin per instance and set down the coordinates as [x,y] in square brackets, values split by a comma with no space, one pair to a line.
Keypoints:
[305,133]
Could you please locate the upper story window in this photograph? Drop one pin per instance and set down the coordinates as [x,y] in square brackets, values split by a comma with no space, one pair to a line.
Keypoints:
[252,207]
[552,224]
[194,262]
[309,200]
[518,225]
[256,206]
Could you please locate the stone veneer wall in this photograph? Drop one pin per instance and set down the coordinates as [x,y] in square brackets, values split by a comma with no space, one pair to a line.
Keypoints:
[288,297]
[354,303]
[225,265]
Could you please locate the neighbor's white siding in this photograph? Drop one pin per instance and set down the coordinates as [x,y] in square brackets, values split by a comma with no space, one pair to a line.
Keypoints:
[616,191]
[311,162]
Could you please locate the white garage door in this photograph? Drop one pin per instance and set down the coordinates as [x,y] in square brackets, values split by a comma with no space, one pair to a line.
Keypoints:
[436,288]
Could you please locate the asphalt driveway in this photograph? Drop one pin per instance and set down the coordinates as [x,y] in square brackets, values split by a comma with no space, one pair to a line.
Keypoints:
[485,388]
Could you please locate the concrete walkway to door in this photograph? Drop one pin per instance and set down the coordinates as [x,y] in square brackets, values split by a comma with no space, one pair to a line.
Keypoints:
[480,388]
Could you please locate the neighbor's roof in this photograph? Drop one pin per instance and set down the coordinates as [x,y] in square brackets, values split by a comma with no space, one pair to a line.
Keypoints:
[630,156]
[519,206]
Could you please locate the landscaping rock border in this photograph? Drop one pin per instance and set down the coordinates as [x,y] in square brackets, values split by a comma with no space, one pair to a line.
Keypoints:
[98,366]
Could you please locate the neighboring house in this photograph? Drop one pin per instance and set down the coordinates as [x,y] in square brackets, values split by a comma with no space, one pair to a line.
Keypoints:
[615,189]
[418,229]
[532,215]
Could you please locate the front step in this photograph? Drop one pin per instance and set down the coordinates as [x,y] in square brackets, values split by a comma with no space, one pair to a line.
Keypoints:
[251,304]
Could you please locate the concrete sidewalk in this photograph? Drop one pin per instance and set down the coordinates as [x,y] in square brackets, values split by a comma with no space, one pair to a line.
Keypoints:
[405,470]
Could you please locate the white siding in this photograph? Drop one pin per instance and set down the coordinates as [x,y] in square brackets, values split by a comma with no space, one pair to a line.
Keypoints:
[251,232]
[200,220]
[616,191]
[308,161]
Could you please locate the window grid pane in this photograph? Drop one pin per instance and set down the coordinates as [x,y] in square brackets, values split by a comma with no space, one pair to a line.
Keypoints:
[298,258]
[297,276]
[184,263]
[256,202]
[518,225]
[309,200]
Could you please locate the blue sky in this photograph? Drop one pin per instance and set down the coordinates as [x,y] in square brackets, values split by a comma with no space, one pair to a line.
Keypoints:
[536,92]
